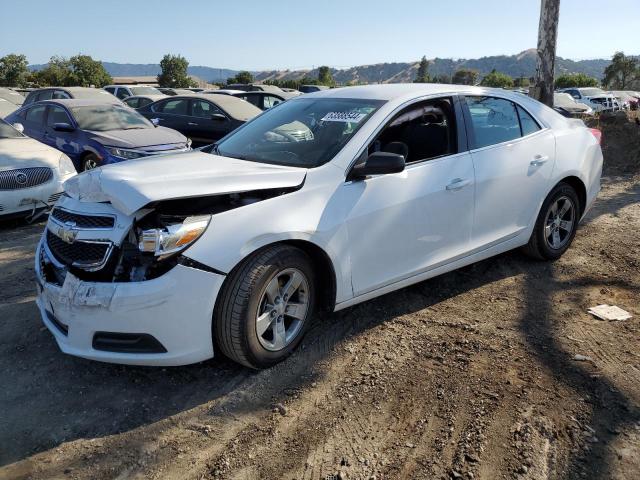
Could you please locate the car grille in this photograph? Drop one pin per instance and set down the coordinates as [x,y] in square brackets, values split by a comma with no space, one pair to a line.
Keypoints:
[83,221]
[55,197]
[24,178]
[79,253]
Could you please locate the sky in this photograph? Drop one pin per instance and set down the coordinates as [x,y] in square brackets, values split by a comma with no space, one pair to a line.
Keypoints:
[273,34]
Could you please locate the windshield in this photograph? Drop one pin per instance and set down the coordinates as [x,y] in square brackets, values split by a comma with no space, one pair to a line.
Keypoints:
[565,100]
[590,92]
[7,131]
[11,96]
[91,94]
[299,133]
[145,91]
[102,118]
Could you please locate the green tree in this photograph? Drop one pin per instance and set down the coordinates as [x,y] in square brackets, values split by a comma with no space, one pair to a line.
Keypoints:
[174,72]
[622,73]
[422,75]
[325,77]
[241,77]
[465,76]
[497,80]
[87,72]
[441,78]
[56,73]
[521,82]
[575,80]
[13,70]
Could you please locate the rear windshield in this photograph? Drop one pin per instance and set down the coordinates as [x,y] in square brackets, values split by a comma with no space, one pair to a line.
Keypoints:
[305,132]
[103,118]
[92,94]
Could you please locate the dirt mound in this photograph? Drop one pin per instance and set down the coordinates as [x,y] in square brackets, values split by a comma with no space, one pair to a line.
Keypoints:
[620,142]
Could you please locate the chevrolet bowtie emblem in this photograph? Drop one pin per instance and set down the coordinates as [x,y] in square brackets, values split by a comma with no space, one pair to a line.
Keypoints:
[67,232]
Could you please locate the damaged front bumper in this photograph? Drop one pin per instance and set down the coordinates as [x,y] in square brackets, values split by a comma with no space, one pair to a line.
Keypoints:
[163,321]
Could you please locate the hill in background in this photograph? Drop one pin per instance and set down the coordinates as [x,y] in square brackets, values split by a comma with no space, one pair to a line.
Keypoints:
[520,65]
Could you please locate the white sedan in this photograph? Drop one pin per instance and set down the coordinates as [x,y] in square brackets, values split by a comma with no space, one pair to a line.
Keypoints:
[322,202]
[31,174]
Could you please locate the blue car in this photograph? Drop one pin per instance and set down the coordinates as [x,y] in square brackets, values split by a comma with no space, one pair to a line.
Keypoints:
[94,133]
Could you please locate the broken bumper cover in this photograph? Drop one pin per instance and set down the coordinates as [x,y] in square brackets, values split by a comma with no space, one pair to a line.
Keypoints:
[175,309]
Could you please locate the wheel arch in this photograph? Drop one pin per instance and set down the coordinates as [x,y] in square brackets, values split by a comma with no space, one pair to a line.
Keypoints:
[581,190]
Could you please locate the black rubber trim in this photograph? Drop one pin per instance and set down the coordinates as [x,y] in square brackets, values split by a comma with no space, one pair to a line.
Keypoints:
[189,262]
[62,328]
[127,343]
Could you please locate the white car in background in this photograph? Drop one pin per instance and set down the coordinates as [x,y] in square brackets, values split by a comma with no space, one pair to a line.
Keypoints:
[568,106]
[10,101]
[155,261]
[596,98]
[31,174]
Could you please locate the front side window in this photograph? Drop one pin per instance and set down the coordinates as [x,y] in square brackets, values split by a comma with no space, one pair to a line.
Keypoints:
[111,90]
[271,101]
[301,133]
[35,115]
[174,107]
[252,99]
[132,102]
[103,118]
[57,115]
[420,132]
[122,93]
[494,120]
[203,109]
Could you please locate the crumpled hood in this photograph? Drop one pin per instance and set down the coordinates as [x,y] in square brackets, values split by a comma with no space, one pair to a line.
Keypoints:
[139,138]
[26,152]
[131,185]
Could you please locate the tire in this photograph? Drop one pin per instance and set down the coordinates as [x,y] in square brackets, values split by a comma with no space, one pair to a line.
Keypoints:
[89,162]
[543,244]
[250,292]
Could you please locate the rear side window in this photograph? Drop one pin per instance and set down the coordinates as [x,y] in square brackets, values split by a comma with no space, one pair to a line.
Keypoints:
[57,115]
[35,115]
[133,102]
[44,95]
[494,120]
[527,123]
[174,107]
[253,99]
[110,89]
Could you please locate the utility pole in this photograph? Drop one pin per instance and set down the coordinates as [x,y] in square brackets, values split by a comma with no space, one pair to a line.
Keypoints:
[542,89]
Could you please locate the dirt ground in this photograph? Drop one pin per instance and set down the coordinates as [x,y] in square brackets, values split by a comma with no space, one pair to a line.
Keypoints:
[470,375]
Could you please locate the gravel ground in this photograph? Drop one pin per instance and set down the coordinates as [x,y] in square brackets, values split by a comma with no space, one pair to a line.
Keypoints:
[470,375]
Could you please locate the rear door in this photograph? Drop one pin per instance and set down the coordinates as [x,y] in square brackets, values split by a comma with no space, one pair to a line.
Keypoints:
[33,122]
[513,157]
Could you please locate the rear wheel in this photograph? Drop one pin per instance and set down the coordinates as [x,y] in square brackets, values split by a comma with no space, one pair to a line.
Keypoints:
[556,225]
[265,306]
[89,162]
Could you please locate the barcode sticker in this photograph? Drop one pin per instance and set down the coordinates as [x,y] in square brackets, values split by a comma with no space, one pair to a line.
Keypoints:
[347,117]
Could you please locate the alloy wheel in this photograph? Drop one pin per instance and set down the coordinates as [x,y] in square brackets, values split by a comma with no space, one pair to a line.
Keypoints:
[559,223]
[283,309]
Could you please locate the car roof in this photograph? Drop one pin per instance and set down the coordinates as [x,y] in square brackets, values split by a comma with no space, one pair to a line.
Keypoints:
[151,96]
[236,107]
[397,91]
[79,102]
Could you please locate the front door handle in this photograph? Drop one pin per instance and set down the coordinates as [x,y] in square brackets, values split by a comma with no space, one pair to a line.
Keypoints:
[458,183]
[539,160]
[192,124]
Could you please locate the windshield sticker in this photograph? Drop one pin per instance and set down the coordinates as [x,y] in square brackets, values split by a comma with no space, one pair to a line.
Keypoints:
[347,117]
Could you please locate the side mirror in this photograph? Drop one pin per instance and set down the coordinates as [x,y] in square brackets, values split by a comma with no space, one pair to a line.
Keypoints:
[378,163]
[63,127]
[155,121]
[19,127]
[218,117]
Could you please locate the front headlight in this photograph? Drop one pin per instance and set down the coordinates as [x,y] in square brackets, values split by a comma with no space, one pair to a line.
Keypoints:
[163,242]
[125,153]
[65,166]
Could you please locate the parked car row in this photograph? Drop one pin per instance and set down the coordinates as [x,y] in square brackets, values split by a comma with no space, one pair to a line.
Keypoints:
[600,101]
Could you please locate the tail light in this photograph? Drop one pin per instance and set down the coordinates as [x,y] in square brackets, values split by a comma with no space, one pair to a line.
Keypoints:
[597,133]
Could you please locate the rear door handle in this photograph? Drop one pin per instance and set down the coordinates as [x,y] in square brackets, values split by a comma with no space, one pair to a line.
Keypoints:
[539,160]
[192,124]
[458,183]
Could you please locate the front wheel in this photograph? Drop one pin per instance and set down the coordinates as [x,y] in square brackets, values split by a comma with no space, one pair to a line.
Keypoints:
[265,306]
[556,224]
